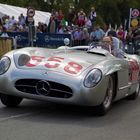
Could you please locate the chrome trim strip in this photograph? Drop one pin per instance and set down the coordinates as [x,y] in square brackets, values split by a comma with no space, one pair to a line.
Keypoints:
[61,91]
[124,87]
[127,86]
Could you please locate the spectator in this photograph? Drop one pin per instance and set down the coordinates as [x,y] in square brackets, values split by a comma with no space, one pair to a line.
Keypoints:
[70,18]
[1,27]
[21,19]
[69,29]
[85,37]
[15,27]
[121,34]
[112,32]
[77,36]
[92,35]
[40,27]
[81,18]
[61,30]
[12,21]
[92,16]
[4,34]
[6,23]
[99,33]
[88,24]
[52,25]
[59,17]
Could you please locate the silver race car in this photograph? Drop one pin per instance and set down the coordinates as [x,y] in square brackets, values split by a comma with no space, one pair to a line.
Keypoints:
[93,77]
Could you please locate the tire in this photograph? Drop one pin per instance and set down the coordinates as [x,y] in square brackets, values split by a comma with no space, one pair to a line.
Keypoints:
[10,101]
[105,106]
[135,94]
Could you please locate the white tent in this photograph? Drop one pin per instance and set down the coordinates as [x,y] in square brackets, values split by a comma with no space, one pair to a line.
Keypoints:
[9,10]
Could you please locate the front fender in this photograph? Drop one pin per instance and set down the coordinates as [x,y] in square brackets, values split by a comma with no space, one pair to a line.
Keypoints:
[113,69]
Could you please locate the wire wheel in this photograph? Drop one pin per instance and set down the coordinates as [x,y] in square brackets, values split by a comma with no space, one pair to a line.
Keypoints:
[109,94]
[103,108]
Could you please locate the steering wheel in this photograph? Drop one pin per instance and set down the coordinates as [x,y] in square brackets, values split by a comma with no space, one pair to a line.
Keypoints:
[92,45]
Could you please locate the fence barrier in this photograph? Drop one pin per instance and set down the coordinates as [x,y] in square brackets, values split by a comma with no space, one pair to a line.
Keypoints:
[5,45]
[41,39]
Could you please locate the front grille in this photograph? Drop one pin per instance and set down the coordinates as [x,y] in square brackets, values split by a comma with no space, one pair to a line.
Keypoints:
[56,89]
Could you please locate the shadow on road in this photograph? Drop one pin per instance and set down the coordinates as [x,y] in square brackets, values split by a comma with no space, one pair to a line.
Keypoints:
[42,112]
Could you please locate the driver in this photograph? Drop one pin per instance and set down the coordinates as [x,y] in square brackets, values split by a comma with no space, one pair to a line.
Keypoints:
[110,44]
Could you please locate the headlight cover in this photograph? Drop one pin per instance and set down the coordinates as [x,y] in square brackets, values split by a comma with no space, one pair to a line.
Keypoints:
[4,64]
[92,78]
[23,59]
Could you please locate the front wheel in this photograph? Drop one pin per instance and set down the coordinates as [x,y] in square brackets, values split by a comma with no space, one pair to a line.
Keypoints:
[103,108]
[10,101]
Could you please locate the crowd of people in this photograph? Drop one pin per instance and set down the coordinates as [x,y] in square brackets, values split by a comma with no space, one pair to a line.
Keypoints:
[10,24]
[80,25]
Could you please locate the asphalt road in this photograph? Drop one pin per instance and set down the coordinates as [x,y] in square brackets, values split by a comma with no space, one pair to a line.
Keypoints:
[35,120]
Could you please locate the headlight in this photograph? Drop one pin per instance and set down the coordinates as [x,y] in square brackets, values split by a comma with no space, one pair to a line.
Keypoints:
[92,78]
[4,64]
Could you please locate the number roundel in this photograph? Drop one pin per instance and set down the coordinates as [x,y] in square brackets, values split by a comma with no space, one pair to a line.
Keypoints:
[34,61]
[54,62]
[73,68]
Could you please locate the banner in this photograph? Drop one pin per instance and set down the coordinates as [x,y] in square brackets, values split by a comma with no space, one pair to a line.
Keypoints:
[21,38]
[51,39]
[42,39]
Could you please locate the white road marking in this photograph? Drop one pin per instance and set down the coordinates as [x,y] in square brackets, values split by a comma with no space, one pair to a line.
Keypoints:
[17,116]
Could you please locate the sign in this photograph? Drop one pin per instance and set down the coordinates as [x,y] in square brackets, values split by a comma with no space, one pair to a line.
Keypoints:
[42,39]
[30,12]
[134,17]
[134,22]
[30,15]
[135,13]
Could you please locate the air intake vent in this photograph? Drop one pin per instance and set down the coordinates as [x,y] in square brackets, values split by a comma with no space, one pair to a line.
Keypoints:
[42,87]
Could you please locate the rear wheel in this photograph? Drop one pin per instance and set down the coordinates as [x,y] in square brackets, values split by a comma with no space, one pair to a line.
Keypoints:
[10,101]
[103,108]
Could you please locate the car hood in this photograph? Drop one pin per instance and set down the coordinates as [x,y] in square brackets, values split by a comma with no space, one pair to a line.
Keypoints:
[70,62]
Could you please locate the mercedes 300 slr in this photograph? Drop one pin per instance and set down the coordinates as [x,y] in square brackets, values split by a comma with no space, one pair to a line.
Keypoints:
[93,78]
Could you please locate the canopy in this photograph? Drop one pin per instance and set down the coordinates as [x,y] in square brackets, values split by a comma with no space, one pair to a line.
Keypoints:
[10,10]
